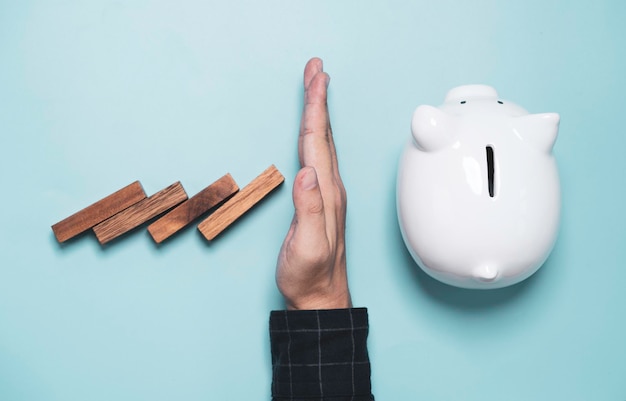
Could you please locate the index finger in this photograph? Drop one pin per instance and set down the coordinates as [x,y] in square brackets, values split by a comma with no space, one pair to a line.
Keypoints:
[316,148]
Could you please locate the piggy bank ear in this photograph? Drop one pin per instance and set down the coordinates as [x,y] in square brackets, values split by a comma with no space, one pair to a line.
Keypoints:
[539,130]
[432,129]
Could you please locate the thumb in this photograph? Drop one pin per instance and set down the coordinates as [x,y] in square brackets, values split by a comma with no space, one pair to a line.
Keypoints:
[310,221]
[307,199]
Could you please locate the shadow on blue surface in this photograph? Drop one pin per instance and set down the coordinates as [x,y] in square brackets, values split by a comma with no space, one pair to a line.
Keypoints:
[64,247]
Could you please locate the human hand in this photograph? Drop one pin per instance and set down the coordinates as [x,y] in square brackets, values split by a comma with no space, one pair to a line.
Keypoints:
[311,270]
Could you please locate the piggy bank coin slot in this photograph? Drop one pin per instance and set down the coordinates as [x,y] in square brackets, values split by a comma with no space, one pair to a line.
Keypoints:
[490,171]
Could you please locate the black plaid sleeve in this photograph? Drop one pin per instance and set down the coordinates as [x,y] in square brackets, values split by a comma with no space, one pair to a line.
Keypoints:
[320,355]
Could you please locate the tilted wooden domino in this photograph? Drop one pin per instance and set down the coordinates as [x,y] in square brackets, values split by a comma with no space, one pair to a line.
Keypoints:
[96,213]
[193,208]
[140,212]
[241,202]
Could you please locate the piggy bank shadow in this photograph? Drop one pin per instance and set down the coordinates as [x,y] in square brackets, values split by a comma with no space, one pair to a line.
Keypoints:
[455,297]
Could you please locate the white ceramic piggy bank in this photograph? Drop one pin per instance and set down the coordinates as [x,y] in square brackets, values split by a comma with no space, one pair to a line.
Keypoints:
[478,189]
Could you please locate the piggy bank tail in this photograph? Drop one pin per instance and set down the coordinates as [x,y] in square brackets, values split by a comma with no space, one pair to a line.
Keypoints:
[486,273]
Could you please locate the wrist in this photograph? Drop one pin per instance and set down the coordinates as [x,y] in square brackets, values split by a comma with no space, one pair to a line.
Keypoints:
[337,301]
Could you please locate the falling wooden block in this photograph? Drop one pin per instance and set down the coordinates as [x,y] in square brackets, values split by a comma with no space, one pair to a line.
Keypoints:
[98,212]
[190,210]
[241,202]
[140,212]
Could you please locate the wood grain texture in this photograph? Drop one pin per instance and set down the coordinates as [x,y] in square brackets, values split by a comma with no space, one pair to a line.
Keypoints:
[98,212]
[140,212]
[190,210]
[241,202]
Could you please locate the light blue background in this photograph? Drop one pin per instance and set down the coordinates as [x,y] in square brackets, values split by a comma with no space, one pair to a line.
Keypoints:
[96,94]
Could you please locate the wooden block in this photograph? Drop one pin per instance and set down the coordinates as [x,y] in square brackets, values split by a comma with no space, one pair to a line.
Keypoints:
[140,212]
[98,212]
[190,210]
[241,202]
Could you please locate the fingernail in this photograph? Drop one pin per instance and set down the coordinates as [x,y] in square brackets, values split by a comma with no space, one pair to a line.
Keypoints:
[309,181]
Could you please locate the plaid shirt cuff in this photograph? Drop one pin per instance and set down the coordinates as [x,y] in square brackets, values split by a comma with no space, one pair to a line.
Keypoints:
[320,355]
